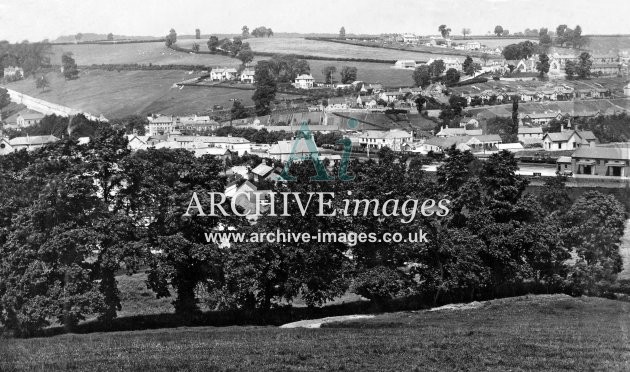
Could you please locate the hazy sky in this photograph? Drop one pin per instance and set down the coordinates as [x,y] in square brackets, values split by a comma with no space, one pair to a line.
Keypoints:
[39,19]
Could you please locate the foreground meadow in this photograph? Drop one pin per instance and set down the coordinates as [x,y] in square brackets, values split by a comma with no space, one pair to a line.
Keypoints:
[529,333]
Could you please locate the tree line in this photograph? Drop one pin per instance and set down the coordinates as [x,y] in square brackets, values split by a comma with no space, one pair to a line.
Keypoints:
[74,216]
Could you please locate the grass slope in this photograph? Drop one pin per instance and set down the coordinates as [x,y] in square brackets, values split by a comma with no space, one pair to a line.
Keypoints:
[524,333]
[117,94]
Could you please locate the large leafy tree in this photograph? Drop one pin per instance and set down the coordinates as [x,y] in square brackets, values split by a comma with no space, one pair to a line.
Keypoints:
[266,88]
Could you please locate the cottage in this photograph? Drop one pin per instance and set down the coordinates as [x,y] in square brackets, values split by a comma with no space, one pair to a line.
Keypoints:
[223,74]
[5,146]
[305,81]
[568,140]
[527,132]
[601,161]
[405,63]
[564,166]
[247,76]
[28,118]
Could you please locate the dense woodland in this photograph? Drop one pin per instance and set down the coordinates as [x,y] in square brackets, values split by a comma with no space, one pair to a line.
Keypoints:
[73,216]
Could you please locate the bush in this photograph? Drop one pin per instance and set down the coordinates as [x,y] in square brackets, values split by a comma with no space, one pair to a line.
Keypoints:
[379,284]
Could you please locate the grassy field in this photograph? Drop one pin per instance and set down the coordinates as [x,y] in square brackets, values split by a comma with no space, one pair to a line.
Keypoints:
[525,333]
[141,53]
[303,46]
[117,94]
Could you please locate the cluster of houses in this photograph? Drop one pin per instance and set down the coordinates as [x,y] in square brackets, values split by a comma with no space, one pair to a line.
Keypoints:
[220,74]
[166,124]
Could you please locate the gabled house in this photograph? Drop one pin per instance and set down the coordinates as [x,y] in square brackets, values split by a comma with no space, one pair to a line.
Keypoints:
[5,146]
[261,172]
[568,140]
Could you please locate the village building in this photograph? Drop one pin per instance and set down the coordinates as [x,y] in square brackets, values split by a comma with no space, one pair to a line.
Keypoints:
[530,132]
[405,63]
[223,74]
[282,150]
[28,117]
[601,161]
[31,143]
[305,81]
[375,139]
[568,140]
[452,132]
[247,76]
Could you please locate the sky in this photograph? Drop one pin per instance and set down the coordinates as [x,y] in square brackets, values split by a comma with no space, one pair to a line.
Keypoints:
[36,20]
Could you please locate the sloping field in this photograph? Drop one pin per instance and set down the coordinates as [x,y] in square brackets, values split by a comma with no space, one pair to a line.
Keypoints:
[287,45]
[141,53]
[531,333]
[116,94]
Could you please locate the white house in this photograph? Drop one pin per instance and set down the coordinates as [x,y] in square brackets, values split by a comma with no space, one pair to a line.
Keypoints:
[405,63]
[473,45]
[569,140]
[161,125]
[222,74]
[247,76]
[626,90]
[376,139]
[304,81]
[5,146]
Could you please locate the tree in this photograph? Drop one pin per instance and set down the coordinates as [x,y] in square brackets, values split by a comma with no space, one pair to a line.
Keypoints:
[583,68]
[342,33]
[543,64]
[444,31]
[571,69]
[195,47]
[576,39]
[348,74]
[245,55]
[171,38]
[595,225]
[498,30]
[420,101]
[560,34]
[465,31]
[238,111]
[329,74]
[452,76]
[110,37]
[213,43]
[266,88]
[422,76]
[245,32]
[197,34]
[70,70]
[42,83]
[78,37]
[467,66]
[437,67]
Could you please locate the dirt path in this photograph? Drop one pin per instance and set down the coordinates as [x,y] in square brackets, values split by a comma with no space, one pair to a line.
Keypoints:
[317,323]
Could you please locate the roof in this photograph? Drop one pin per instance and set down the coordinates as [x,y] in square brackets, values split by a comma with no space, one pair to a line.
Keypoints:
[602,153]
[211,139]
[559,136]
[262,169]
[528,130]
[304,77]
[31,115]
[33,140]
[510,146]
[385,134]
[564,159]
[286,147]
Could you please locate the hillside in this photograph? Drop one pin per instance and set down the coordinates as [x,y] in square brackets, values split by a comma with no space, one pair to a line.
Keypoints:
[528,333]
[117,94]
